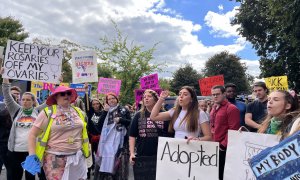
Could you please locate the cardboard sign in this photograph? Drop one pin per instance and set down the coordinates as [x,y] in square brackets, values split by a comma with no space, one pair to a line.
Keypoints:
[207,83]
[31,62]
[181,161]
[279,162]
[138,94]
[84,67]
[150,82]
[80,90]
[107,85]
[277,83]
[145,167]
[241,147]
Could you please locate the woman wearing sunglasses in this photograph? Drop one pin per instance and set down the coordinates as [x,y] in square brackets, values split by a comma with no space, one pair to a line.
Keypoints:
[63,142]
[23,117]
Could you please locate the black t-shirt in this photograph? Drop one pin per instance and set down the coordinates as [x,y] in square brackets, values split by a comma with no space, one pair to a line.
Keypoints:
[258,110]
[146,133]
[94,124]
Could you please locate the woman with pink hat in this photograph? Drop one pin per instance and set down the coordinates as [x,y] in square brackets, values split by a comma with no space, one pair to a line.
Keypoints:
[62,137]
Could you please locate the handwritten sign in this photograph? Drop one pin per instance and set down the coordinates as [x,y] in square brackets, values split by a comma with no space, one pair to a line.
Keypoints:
[80,90]
[84,67]
[145,167]
[242,146]
[207,83]
[277,83]
[150,82]
[138,94]
[31,62]
[279,162]
[107,85]
[181,161]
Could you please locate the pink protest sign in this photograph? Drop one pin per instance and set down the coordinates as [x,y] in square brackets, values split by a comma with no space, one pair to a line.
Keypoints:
[107,85]
[138,94]
[150,82]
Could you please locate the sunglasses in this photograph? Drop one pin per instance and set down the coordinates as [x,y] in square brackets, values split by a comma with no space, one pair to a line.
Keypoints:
[69,93]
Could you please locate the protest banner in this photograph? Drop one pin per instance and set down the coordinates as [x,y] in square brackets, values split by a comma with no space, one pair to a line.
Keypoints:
[206,84]
[107,85]
[80,90]
[181,161]
[32,62]
[277,83]
[138,94]
[145,167]
[279,162]
[150,82]
[84,67]
[241,147]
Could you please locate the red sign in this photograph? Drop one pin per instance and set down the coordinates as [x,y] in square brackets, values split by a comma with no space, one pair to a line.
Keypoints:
[207,83]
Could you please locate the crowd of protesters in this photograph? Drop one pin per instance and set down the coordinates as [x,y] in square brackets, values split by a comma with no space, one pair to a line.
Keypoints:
[61,133]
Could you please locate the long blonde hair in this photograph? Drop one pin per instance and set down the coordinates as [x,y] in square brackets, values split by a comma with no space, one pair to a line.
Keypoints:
[192,115]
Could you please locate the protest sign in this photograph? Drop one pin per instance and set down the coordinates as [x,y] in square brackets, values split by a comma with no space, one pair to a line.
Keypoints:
[277,83]
[150,82]
[84,67]
[145,167]
[80,90]
[138,94]
[207,83]
[279,162]
[241,147]
[181,161]
[32,62]
[107,85]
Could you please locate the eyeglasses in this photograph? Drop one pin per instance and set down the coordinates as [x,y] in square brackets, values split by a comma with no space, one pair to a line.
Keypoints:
[69,93]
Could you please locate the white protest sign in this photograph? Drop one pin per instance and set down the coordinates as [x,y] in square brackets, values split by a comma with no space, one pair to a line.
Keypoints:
[241,147]
[84,67]
[181,161]
[32,62]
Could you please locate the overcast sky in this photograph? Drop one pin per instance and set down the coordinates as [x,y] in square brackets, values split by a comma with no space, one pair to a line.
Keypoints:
[189,31]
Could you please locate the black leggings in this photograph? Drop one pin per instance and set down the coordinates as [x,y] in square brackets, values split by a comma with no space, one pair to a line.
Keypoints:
[16,158]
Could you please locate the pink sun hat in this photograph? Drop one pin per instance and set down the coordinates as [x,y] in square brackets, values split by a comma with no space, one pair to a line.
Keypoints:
[52,98]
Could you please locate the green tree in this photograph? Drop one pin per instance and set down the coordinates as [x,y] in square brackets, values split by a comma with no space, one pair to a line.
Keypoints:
[185,76]
[129,62]
[230,66]
[165,83]
[12,29]
[273,28]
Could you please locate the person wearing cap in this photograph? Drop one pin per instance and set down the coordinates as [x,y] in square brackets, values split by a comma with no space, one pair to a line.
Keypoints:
[257,110]
[113,144]
[63,143]
[23,117]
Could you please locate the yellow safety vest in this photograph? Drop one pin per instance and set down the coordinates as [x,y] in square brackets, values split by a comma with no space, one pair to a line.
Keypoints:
[43,138]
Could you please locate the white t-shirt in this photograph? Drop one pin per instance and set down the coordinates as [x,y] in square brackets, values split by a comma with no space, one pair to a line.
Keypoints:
[181,129]
[23,126]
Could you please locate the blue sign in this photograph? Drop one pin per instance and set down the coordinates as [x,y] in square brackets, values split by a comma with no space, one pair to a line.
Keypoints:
[80,90]
[279,162]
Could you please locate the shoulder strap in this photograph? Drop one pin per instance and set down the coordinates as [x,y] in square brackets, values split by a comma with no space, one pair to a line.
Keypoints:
[16,114]
[48,111]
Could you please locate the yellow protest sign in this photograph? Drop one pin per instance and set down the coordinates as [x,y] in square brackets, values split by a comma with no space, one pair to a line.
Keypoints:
[277,83]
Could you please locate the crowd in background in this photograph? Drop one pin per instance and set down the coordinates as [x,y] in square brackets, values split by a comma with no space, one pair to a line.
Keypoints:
[65,130]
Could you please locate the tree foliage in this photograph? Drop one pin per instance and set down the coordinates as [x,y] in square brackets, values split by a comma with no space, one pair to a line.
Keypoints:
[129,62]
[273,27]
[185,76]
[230,66]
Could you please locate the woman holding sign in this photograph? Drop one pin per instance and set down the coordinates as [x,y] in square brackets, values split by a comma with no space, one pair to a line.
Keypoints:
[143,135]
[185,119]
[23,117]
[280,107]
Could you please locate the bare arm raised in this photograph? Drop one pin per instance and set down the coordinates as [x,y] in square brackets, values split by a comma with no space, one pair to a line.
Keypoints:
[160,116]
